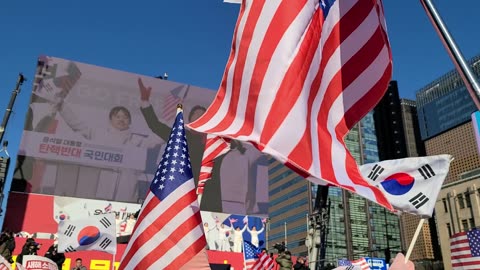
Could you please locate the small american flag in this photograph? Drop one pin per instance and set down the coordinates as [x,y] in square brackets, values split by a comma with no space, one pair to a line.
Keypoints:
[214,148]
[300,75]
[168,233]
[465,250]
[255,259]
[362,263]
[170,101]
[108,208]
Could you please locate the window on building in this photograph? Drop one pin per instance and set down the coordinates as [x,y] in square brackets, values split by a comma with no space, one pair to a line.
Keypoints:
[445,207]
[467,200]
[465,225]
[461,203]
[449,228]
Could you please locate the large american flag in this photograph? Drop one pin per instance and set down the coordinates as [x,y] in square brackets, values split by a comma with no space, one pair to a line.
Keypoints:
[168,233]
[214,147]
[300,75]
[255,259]
[465,250]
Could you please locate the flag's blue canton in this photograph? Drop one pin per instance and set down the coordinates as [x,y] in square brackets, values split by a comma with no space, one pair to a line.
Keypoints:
[175,168]
[343,262]
[325,5]
[251,252]
[474,242]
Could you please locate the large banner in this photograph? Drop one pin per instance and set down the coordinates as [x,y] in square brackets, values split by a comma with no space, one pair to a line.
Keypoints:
[37,216]
[99,133]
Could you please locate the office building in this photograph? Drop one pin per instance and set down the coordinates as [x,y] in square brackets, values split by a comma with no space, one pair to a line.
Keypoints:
[444,114]
[389,125]
[366,233]
[458,210]
[398,136]
[445,103]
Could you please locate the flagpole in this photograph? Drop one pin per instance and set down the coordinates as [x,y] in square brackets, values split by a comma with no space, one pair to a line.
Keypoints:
[414,239]
[461,65]
[113,260]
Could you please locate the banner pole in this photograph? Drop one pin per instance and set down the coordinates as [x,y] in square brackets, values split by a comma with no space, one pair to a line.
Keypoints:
[461,65]
[414,239]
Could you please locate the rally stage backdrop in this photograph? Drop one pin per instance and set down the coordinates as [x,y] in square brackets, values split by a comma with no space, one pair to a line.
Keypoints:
[37,216]
[97,133]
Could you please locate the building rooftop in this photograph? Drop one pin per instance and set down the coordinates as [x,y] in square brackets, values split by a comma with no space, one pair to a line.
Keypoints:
[445,84]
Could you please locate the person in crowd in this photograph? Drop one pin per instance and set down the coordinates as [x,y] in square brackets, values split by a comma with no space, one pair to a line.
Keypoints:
[195,140]
[209,236]
[300,264]
[117,133]
[29,248]
[57,258]
[118,224]
[254,235]
[222,240]
[130,224]
[238,238]
[284,260]
[7,245]
[400,264]
[79,265]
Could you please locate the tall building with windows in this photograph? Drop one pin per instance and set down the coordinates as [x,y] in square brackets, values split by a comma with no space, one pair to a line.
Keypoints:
[444,114]
[365,234]
[445,103]
[398,136]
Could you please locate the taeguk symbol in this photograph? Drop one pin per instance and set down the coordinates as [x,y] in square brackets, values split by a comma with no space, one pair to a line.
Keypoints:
[398,184]
[88,235]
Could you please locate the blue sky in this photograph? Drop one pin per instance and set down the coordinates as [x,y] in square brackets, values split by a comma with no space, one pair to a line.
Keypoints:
[191,41]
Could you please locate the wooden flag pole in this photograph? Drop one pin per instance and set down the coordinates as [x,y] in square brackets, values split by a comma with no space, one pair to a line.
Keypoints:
[414,239]
[461,65]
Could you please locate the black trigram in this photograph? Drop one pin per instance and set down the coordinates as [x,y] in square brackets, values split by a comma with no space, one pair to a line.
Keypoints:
[105,222]
[426,171]
[376,171]
[69,231]
[419,200]
[70,249]
[105,243]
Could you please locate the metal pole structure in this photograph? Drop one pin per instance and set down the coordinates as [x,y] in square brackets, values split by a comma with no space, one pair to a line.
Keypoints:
[286,243]
[461,65]
[15,92]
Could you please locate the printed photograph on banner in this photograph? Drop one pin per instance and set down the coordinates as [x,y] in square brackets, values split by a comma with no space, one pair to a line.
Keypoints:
[226,232]
[97,133]
[69,208]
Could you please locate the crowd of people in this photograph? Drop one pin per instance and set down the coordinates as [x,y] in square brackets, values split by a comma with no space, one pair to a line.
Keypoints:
[31,247]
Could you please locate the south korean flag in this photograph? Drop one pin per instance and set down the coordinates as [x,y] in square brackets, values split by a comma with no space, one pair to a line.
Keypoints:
[96,232]
[411,184]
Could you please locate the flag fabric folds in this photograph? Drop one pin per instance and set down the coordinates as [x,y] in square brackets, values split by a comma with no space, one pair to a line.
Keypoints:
[362,263]
[214,148]
[465,250]
[255,259]
[411,184]
[300,75]
[92,233]
[168,233]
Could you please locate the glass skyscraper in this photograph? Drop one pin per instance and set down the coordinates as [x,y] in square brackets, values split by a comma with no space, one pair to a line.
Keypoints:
[445,103]
[370,228]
